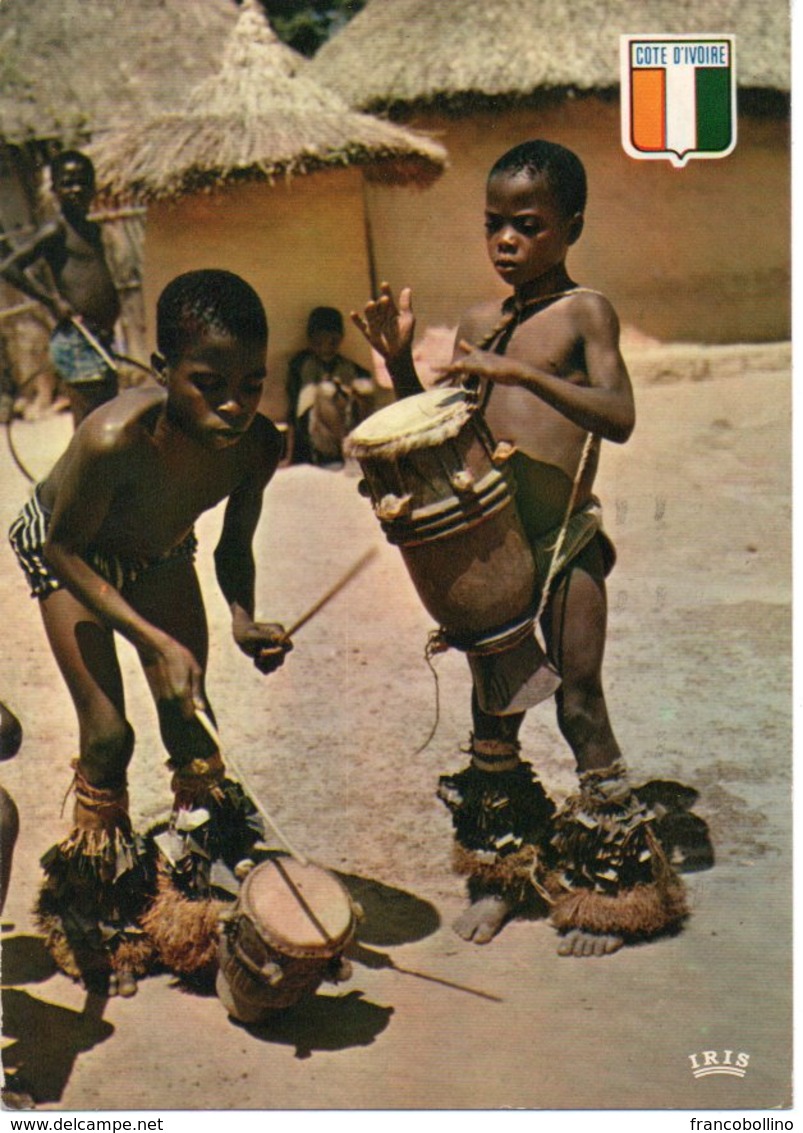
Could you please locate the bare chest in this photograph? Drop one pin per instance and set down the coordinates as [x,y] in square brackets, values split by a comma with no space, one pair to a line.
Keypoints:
[546,341]
[155,508]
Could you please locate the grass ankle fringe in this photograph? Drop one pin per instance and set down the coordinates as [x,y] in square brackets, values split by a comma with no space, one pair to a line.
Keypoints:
[611,874]
[130,951]
[112,862]
[639,913]
[96,884]
[184,932]
[517,877]
[642,910]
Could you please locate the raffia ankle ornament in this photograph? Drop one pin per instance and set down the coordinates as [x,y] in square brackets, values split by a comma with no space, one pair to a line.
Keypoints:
[502,820]
[612,877]
[213,828]
[222,821]
[97,882]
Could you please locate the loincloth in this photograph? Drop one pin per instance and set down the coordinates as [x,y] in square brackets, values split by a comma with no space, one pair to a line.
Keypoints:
[517,677]
[75,360]
[27,536]
[584,535]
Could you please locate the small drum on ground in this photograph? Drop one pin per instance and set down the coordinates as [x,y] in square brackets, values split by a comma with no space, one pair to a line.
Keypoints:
[442,491]
[285,934]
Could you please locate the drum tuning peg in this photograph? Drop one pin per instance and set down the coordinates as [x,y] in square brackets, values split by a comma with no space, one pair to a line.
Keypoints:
[503,452]
[243,868]
[272,973]
[393,507]
[462,481]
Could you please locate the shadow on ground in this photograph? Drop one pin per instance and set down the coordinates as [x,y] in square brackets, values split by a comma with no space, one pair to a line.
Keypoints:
[49,1039]
[324,1023]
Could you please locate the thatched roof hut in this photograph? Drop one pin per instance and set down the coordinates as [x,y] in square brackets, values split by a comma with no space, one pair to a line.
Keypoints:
[262,172]
[685,254]
[68,67]
[427,54]
[258,119]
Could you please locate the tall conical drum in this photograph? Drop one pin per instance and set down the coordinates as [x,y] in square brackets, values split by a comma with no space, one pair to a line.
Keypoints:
[442,490]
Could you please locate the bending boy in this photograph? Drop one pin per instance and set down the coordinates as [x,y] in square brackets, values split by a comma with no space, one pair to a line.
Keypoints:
[550,377]
[107,546]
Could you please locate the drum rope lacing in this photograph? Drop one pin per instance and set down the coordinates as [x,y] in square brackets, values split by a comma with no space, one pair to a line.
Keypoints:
[509,321]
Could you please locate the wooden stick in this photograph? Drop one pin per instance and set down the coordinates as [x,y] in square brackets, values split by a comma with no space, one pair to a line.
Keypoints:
[211,731]
[93,342]
[351,573]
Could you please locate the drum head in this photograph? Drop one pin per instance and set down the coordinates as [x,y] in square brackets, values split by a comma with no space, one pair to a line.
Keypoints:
[301,909]
[420,421]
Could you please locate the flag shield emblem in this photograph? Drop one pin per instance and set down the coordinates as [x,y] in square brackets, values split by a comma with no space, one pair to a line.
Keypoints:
[678,96]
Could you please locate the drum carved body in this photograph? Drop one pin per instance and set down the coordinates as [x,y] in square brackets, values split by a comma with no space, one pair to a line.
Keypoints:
[441,491]
[285,934]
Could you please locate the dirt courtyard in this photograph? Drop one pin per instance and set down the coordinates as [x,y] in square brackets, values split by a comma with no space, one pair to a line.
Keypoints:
[698,679]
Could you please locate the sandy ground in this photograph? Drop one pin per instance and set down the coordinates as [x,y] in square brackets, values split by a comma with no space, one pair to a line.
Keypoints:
[698,677]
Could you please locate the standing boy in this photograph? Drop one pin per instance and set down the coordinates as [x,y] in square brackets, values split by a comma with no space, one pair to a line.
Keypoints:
[107,545]
[552,383]
[86,305]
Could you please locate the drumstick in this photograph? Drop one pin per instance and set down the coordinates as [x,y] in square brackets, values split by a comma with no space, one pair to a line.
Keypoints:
[351,573]
[211,731]
[394,967]
[361,952]
[93,342]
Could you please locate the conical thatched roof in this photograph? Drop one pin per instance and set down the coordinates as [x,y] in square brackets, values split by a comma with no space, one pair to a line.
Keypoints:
[398,53]
[259,118]
[69,67]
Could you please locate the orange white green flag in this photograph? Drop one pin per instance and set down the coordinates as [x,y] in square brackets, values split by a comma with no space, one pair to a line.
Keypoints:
[678,97]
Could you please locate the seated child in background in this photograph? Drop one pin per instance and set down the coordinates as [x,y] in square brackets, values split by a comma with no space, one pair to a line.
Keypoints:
[327,393]
[107,545]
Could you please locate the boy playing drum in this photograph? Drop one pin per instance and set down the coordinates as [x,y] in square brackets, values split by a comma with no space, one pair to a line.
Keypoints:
[552,383]
[107,546]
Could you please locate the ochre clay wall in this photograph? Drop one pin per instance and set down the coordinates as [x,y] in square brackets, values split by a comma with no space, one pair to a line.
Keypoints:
[299,244]
[696,254]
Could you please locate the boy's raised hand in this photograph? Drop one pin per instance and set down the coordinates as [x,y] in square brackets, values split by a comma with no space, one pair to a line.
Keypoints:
[388,326]
[266,642]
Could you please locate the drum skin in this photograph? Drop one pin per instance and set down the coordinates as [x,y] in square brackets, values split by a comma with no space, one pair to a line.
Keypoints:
[442,492]
[284,936]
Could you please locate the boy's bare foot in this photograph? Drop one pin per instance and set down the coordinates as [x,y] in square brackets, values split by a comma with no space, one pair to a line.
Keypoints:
[483,919]
[123,984]
[581,943]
